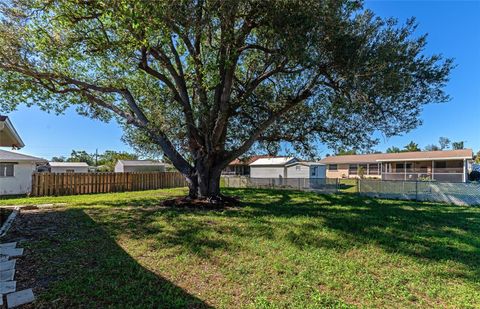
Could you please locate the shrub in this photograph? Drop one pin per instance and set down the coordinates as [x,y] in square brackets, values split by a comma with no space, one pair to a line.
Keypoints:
[361,172]
[474,176]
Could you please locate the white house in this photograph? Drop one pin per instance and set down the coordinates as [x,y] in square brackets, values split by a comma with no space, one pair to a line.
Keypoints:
[15,169]
[301,169]
[275,167]
[68,167]
[126,166]
[16,172]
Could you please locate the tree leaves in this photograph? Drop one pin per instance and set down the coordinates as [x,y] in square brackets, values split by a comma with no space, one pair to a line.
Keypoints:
[215,78]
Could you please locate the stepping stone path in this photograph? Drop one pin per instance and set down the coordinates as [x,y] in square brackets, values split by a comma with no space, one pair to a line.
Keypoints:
[8,286]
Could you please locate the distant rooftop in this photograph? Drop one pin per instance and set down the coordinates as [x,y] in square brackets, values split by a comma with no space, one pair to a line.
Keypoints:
[401,156]
[68,164]
[248,160]
[273,161]
[307,163]
[9,156]
[141,163]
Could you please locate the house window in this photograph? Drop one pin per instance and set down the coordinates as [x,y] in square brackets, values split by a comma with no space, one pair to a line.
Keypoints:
[440,164]
[298,167]
[352,169]
[400,167]
[7,170]
[332,167]
[373,169]
[314,171]
[69,171]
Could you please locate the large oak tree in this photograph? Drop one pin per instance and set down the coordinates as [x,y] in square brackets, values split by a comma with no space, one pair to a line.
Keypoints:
[206,80]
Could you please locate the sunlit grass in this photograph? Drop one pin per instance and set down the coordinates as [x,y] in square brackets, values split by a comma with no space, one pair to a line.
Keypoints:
[282,249]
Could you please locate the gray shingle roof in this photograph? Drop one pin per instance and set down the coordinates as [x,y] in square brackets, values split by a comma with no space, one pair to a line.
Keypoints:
[9,156]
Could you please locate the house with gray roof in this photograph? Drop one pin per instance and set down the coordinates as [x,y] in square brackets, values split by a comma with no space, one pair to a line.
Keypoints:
[67,167]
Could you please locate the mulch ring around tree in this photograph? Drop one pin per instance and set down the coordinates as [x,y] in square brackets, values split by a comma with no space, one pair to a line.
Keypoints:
[215,203]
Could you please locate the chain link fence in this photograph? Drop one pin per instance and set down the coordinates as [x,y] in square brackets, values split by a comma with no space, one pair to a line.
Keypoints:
[446,192]
[321,185]
[429,191]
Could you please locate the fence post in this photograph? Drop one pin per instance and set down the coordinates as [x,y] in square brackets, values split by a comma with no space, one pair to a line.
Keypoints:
[416,190]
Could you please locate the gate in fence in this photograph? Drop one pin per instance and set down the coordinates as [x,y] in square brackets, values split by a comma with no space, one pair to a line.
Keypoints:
[44,184]
[446,192]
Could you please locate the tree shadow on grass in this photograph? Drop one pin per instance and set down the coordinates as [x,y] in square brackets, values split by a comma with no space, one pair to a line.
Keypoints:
[72,262]
[175,229]
[429,231]
[425,231]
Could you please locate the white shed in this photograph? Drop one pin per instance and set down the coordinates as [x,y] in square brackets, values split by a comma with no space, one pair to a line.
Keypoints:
[125,166]
[301,169]
[16,172]
[270,167]
[68,167]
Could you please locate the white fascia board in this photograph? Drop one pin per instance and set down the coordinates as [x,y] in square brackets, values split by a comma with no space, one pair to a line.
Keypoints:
[9,126]
[423,159]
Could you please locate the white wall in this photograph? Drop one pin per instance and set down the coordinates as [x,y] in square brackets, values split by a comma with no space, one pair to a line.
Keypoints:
[58,169]
[118,167]
[267,172]
[298,171]
[303,171]
[21,182]
[321,171]
[130,169]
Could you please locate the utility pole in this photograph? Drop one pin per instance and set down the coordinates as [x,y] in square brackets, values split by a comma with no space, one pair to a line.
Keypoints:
[96,157]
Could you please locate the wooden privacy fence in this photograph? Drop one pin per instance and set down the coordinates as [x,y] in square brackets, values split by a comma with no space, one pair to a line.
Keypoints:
[44,184]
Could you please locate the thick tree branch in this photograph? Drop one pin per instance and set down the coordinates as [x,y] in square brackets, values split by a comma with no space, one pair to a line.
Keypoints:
[303,95]
[187,110]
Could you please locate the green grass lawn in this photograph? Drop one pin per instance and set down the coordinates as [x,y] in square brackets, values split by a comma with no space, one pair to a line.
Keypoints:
[283,249]
[347,185]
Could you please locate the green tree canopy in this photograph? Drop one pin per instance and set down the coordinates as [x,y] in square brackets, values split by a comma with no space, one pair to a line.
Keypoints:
[432,147]
[393,149]
[81,156]
[412,146]
[109,158]
[458,145]
[444,142]
[343,152]
[205,81]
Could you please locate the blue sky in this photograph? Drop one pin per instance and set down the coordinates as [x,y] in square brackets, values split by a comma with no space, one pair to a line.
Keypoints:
[454,31]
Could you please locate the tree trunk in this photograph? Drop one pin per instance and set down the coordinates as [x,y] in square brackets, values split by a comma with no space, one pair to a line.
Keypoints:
[205,182]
